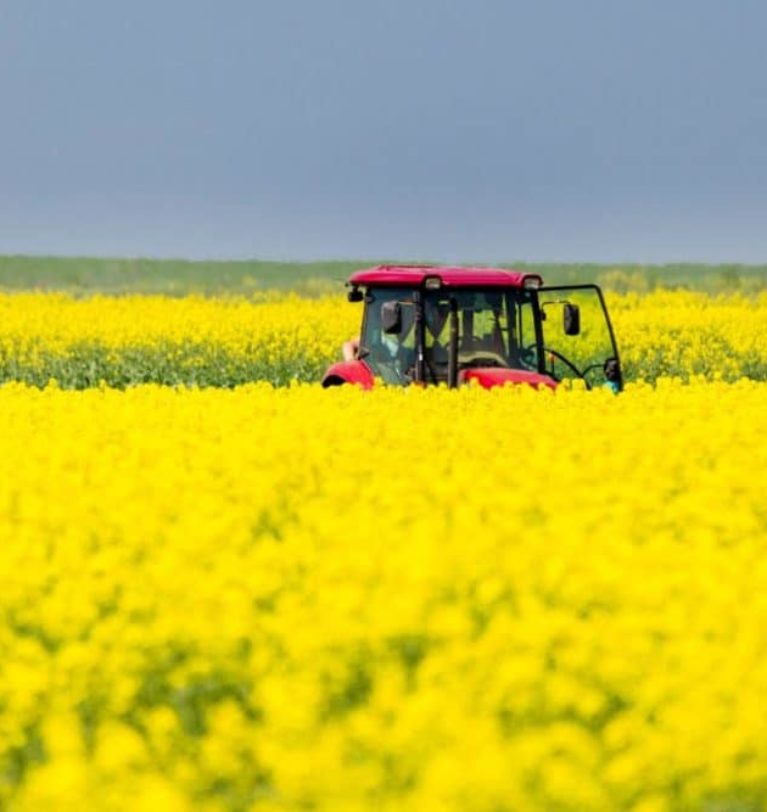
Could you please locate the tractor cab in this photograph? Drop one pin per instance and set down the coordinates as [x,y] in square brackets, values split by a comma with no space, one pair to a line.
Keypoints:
[431,325]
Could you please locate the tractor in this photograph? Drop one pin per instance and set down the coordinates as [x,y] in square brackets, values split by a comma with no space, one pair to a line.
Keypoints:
[455,325]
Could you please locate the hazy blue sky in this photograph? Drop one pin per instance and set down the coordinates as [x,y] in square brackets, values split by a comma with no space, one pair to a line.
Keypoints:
[604,130]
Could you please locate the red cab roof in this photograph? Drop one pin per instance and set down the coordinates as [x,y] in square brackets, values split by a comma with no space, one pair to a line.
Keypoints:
[412,276]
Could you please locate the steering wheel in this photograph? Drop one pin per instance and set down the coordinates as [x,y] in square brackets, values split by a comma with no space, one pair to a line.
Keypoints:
[568,363]
[483,358]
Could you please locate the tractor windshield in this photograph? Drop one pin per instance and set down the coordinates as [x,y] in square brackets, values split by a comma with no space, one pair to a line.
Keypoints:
[496,328]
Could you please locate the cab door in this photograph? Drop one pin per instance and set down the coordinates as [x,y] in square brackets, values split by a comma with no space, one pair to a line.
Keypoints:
[577,336]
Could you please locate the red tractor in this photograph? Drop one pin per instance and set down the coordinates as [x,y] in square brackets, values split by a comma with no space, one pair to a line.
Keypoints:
[452,325]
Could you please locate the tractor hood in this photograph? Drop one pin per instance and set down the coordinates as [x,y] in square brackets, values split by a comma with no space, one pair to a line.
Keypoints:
[358,372]
[489,377]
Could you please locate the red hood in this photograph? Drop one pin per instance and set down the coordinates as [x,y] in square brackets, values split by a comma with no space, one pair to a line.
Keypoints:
[495,376]
[358,372]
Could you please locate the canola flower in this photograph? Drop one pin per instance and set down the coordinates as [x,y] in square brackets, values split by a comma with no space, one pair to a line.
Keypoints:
[299,598]
[193,340]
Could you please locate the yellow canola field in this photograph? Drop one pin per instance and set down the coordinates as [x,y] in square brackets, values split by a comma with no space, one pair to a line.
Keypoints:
[193,340]
[685,334]
[406,599]
[229,341]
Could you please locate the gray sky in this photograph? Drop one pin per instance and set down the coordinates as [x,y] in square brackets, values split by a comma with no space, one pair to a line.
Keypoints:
[609,130]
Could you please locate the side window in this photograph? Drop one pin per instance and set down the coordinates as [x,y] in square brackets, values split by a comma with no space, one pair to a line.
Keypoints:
[388,355]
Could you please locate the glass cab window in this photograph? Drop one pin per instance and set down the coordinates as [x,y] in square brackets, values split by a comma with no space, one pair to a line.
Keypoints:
[390,356]
[496,328]
[577,340]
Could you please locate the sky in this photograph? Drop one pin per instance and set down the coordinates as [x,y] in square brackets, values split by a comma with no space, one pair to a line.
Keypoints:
[453,130]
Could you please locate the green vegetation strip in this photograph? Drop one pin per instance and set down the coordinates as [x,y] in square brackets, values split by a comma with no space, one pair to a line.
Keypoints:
[178,277]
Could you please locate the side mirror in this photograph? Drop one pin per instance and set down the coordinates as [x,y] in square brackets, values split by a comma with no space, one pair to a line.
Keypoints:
[355,295]
[391,318]
[572,319]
